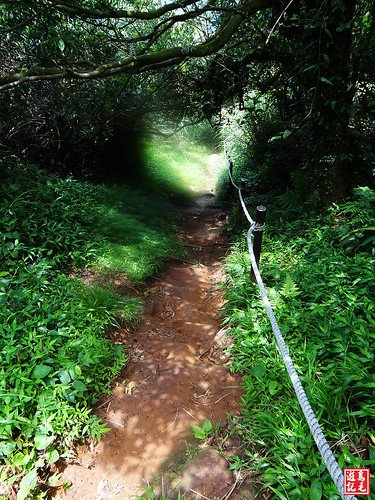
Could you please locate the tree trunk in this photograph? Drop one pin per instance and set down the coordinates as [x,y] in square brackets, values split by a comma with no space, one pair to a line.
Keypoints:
[334,103]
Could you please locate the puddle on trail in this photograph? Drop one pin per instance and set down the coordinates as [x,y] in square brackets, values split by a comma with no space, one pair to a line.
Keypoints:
[177,377]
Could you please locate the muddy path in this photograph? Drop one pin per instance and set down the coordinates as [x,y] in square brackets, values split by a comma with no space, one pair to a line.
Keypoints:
[177,376]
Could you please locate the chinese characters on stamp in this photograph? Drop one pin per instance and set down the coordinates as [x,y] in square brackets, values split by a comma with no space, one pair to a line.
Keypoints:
[356,482]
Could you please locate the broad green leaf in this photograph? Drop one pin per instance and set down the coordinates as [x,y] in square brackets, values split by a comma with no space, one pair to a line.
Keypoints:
[79,386]
[316,490]
[41,371]
[64,377]
[259,371]
[207,426]
[42,441]
[27,484]
[273,387]
[52,456]
[21,459]
[69,394]
[78,370]
[7,447]
[61,45]
[198,432]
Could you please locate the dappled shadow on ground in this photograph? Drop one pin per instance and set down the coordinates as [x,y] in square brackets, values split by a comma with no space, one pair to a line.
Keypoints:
[177,376]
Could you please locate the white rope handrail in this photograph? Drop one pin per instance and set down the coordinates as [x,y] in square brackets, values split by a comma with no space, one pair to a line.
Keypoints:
[318,435]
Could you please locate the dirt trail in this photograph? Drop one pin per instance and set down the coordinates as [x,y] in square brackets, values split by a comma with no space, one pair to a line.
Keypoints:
[177,377]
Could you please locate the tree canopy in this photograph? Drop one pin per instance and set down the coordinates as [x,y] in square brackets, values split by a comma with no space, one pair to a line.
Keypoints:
[135,39]
[301,73]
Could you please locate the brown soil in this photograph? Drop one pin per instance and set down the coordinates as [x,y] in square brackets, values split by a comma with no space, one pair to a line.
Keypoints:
[177,376]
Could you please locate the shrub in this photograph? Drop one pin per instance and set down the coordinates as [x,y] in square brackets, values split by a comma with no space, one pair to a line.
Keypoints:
[322,293]
[55,360]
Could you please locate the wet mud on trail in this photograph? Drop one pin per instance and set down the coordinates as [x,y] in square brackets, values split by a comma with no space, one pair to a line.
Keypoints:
[177,376]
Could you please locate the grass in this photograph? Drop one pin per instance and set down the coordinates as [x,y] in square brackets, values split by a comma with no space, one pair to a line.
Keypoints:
[137,226]
[107,305]
[179,167]
[165,493]
[319,275]
[137,232]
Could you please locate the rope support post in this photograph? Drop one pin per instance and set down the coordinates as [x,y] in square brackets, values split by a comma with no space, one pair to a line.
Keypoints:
[231,167]
[258,235]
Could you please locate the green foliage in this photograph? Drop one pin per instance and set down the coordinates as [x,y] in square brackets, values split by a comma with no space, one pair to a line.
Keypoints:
[268,159]
[202,432]
[319,275]
[306,124]
[52,216]
[353,228]
[55,361]
[111,307]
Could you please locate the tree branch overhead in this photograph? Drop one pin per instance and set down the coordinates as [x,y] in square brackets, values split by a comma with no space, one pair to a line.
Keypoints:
[142,57]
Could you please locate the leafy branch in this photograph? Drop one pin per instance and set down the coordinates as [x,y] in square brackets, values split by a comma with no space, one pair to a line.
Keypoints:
[142,60]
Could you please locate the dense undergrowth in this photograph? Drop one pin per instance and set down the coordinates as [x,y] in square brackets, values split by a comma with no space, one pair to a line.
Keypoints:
[55,358]
[319,274]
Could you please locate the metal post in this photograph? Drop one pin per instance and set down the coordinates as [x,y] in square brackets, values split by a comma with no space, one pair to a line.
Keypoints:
[258,234]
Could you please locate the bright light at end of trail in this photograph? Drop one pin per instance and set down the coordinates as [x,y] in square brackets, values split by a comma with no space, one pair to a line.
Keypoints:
[215,163]
[213,160]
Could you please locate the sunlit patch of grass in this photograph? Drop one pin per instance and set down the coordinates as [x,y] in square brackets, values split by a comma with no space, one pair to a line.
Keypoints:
[179,167]
[136,226]
[137,232]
